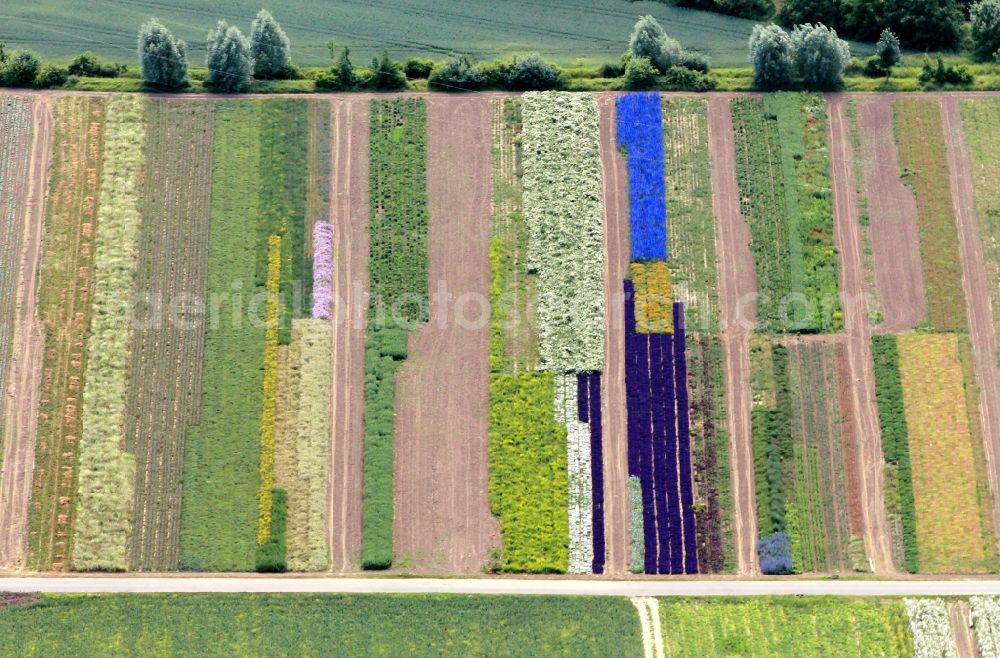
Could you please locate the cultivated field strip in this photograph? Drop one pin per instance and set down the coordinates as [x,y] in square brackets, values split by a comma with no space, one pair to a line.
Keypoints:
[165,370]
[67,287]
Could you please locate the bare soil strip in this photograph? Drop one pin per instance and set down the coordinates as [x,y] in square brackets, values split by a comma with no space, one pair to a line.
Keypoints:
[737,290]
[892,209]
[965,642]
[442,520]
[977,296]
[616,254]
[847,230]
[20,406]
[349,217]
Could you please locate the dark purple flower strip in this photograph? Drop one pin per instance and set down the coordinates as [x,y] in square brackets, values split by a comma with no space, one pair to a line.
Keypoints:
[659,389]
[582,396]
[631,365]
[684,441]
[675,538]
[597,467]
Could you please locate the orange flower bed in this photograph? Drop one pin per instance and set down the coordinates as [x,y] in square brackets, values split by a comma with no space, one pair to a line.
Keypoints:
[653,297]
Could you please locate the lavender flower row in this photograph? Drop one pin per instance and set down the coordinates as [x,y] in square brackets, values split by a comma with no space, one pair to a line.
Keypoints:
[322,270]
[589,401]
[684,439]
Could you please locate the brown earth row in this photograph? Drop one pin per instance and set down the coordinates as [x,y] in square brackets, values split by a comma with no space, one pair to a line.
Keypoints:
[349,217]
[19,408]
[442,520]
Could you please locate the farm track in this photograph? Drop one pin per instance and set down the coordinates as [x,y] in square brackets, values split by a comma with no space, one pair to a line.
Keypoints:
[614,178]
[864,421]
[965,642]
[892,208]
[164,396]
[737,292]
[19,408]
[442,520]
[977,295]
[349,217]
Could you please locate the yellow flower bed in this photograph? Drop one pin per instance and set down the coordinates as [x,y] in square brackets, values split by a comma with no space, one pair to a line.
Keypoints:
[653,298]
[268,414]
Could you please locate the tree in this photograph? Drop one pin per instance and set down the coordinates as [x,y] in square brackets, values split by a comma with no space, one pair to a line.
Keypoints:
[21,69]
[771,57]
[640,73]
[269,47]
[386,74]
[650,41]
[985,18]
[887,51]
[926,24]
[230,66]
[532,73]
[456,74]
[819,56]
[827,12]
[342,76]
[162,58]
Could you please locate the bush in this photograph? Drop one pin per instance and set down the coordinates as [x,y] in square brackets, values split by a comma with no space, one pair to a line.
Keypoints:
[21,69]
[616,70]
[771,57]
[90,66]
[678,78]
[341,76]
[775,554]
[532,73]
[985,32]
[819,56]
[496,74]
[694,61]
[456,74]
[640,74]
[418,68]
[51,76]
[873,68]
[386,74]
[650,41]
[942,75]
[230,67]
[270,49]
[162,58]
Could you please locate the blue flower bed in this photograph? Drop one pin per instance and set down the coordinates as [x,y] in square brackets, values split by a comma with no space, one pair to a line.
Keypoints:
[640,133]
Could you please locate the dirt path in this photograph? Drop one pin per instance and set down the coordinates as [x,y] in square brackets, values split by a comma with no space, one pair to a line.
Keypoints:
[965,642]
[847,230]
[442,520]
[977,296]
[20,406]
[349,217]
[892,210]
[737,291]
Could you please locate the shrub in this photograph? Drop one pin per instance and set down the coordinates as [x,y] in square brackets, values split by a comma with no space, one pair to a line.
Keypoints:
[694,61]
[678,78]
[615,70]
[941,75]
[418,68]
[650,41]
[89,65]
[341,76]
[985,29]
[775,554]
[51,76]
[386,74]
[819,56]
[496,74]
[162,58]
[532,73]
[270,49]
[771,57]
[456,74]
[640,74]
[229,64]
[20,70]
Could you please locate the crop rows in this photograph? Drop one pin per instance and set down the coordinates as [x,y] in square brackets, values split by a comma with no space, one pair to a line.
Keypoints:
[640,136]
[265,500]
[986,620]
[64,306]
[219,515]
[931,628]
[322,273]
[15,141]
[165,366]
[784,181]
[691,225]
[981,118]
[802,490]
[923,158]
[659,451]
[578,472]
[319,162]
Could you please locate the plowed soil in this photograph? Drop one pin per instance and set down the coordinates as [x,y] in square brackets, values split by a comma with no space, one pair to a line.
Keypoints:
[20,405]
[349,217]
[613,405]
[442,520]
[737,289]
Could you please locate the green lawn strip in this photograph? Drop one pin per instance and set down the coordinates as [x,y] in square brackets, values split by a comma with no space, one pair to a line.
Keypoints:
[222,452]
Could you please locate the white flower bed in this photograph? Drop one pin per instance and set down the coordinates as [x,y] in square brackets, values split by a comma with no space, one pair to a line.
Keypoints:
[564,215]
[581,521]
[986,621]
[931,628]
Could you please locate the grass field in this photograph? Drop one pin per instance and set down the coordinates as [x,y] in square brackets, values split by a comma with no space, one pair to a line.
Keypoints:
[923,160]
[773,628]
[950,535]
[316,625]
[566,30]
[66,280]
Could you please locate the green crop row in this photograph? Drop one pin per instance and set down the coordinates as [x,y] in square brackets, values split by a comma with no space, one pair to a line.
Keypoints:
[899,501]
[528,473]
[107,472]
[772,440]
[222,452]
[271,555]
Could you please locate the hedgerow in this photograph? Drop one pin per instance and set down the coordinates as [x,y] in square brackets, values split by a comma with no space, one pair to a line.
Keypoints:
[107,473]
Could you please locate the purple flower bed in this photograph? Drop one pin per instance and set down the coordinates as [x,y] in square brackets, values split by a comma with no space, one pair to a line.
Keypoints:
[596,467]
[322,270]
[640,132]
[582,396]
[684,440]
